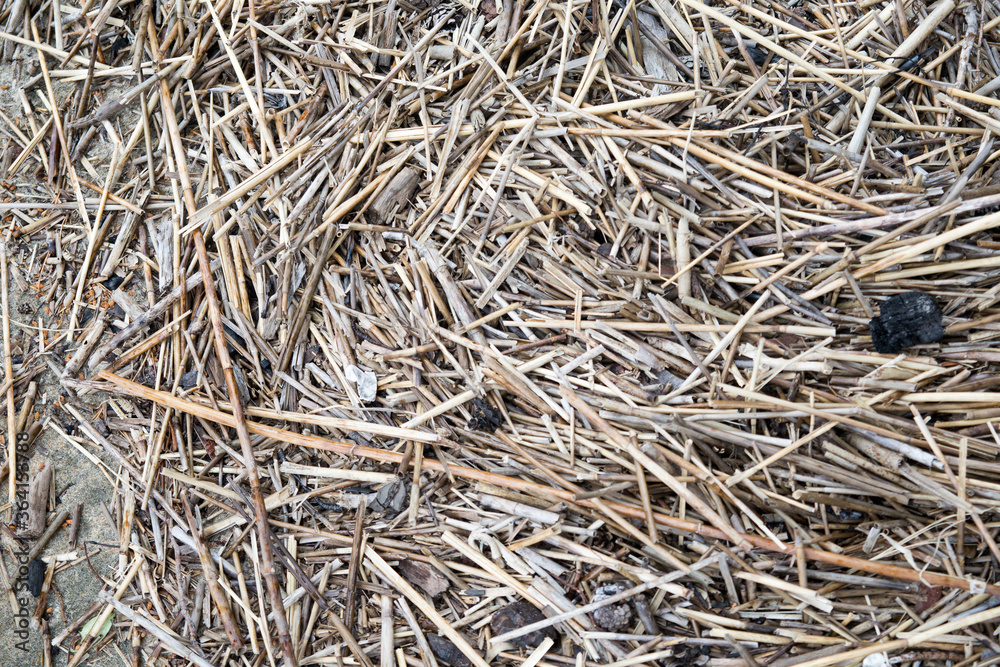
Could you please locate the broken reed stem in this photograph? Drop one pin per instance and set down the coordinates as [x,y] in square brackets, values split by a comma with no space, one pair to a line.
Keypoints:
[212,577]
[352,449]
[586,298]
[240,424]
[167,639]
[9,377]
[222,352]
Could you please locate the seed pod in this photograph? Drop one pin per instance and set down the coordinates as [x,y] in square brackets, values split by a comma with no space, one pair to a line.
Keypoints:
[906,319]
[613,617]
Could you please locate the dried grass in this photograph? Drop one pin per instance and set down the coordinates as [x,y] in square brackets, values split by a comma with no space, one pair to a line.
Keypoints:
[404,313]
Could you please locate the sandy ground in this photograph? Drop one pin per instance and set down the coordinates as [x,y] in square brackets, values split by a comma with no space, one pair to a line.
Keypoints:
[77,479]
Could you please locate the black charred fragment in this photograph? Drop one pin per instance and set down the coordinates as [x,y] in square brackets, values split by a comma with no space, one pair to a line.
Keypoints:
[484,417]
[759,56]
[189,380]
[517,615]
[237,338]
[113,282]
[36,576]
[446,651]
[906,319]
[119,44]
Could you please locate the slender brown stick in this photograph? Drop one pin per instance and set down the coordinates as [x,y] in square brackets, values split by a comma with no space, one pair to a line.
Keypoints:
[219,339]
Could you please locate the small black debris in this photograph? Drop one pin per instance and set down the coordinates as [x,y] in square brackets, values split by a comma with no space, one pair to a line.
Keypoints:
[36,576]
[113,282]
[484,417]
[446,651]
[189,380]
[759,56]
[906,319]
[613,617]
[119,44]
[516,616]
[231,333]
[845,514]
[277,102]
[326,505]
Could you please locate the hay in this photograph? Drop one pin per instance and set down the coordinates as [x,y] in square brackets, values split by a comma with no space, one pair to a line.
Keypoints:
[520,333]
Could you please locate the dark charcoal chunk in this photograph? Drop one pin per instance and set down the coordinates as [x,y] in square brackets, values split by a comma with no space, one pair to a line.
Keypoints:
[613,617]
[907,319]
[113,282]
[516,616]
[36,576]
[759,55]
[446,651]
[845,514]
[189,380]
[484,417]
[118,45]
